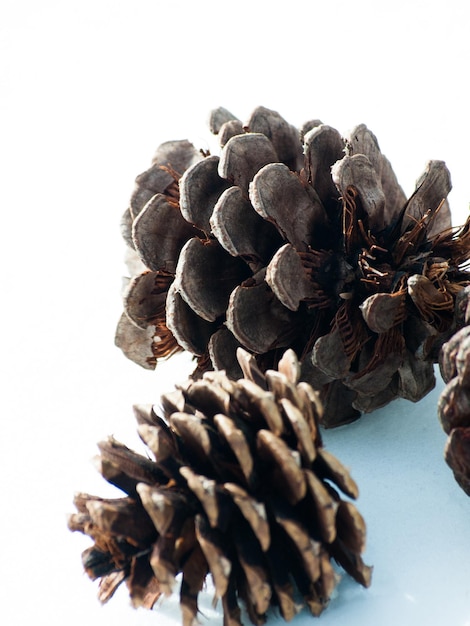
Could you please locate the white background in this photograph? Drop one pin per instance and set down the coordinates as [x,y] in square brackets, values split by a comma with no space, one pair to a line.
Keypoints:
[88,89]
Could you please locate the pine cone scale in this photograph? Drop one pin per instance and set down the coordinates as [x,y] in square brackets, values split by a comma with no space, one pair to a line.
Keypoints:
[194,573]
[254,513]
[212,545]
[276,452]
[324,507]
[200,187]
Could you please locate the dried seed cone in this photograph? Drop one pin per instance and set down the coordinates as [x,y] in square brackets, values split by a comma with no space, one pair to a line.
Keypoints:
[240,487]
[301,239]
[454,401]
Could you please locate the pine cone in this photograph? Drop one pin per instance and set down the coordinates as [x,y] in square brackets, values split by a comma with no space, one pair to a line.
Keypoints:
[297,239]
[454,401]
[240,488]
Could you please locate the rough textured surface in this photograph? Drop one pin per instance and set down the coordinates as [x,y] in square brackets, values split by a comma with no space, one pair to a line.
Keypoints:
[454,401]
[239,486]
[300,239]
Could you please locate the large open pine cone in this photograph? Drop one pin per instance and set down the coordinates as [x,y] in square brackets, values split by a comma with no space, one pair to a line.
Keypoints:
[454,401]
[299,239]
[240,487]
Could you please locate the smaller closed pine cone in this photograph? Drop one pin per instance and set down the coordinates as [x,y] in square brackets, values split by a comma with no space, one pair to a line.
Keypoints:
[454,401]
[239,487]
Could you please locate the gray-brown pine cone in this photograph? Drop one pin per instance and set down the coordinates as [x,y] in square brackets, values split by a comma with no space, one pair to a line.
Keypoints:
[454,401]
[240,487]
[301,239]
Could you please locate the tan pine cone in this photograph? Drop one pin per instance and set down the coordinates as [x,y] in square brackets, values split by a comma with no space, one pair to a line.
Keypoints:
[454,401]
[240,487]
[301,239]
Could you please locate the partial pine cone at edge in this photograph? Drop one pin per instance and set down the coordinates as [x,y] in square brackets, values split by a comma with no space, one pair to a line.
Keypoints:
[239,487]
[296,238]
[454,401]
